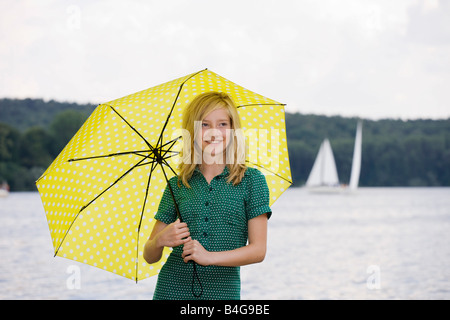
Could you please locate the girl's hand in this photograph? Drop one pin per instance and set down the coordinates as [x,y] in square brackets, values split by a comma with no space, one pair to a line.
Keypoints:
[193,250]
[174,234]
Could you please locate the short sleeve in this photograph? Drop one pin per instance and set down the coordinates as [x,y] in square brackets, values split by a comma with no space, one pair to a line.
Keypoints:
[166,209]
[257,198]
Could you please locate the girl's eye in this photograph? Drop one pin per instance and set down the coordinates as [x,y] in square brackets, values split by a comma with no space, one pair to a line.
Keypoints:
[204,124]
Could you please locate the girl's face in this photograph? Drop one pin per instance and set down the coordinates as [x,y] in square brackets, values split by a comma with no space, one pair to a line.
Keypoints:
[216,129]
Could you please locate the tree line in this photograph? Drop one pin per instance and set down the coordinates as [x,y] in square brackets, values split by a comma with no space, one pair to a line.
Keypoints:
[394,152]
[32,134]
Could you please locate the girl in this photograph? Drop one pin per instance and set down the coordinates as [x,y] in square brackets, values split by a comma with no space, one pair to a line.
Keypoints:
[222,203]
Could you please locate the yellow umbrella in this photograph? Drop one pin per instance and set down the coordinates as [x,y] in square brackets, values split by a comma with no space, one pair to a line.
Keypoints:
[101,193]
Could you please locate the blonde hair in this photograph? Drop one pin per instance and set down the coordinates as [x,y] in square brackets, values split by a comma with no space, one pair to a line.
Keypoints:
[197,110]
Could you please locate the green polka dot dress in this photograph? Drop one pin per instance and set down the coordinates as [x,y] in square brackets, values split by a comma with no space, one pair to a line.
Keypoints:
[217,215]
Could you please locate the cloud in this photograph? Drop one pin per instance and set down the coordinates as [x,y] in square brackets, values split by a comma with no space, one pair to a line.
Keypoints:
[429,23]
[371,58]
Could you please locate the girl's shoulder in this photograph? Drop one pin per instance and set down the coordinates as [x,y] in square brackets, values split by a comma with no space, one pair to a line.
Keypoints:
[253,177]
[174,182]
[251,172]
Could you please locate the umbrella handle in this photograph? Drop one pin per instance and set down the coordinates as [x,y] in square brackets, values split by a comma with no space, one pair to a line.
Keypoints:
[196,277]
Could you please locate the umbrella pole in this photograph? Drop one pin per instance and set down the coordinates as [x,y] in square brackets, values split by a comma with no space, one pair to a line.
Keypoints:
[172,194]
[195,276]
[173,197]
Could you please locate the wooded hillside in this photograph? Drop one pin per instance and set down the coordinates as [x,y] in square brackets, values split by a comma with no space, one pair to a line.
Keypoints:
[395,152]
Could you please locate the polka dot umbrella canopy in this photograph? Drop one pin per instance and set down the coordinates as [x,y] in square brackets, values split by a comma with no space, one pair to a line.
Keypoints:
[101,193]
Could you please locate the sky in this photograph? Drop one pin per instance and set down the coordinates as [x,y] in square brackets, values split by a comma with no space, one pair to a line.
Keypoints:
[355,58]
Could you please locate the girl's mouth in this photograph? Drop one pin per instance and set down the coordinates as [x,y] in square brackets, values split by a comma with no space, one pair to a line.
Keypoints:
[214,141]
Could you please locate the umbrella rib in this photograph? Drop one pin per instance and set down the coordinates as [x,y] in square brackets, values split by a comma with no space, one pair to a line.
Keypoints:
[167,164]
[84,207]
[172,142]
[110,155]
[142,215]
[174,103]
[262,104]
[173,153]
[146,163]
[120,178]
[274,173]
[132,128]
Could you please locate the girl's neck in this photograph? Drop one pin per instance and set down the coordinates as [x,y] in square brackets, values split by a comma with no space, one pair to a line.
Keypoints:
[209,171]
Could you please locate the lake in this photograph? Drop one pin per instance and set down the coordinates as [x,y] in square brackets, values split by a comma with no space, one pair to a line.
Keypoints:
[378,243]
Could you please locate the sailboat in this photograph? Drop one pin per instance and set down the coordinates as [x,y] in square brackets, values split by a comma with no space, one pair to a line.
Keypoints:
[324,176]
[357,155]
[4,189]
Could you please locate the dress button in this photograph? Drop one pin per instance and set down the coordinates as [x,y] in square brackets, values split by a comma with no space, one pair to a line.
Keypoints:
[210,188]
[206,219]
[205,234]
[206,203]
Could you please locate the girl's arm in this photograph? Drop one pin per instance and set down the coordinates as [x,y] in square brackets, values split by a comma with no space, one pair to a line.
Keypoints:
[164,235]
[253,252]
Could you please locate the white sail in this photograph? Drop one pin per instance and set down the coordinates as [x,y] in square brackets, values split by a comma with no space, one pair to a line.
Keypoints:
[356,164]
[324,172]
